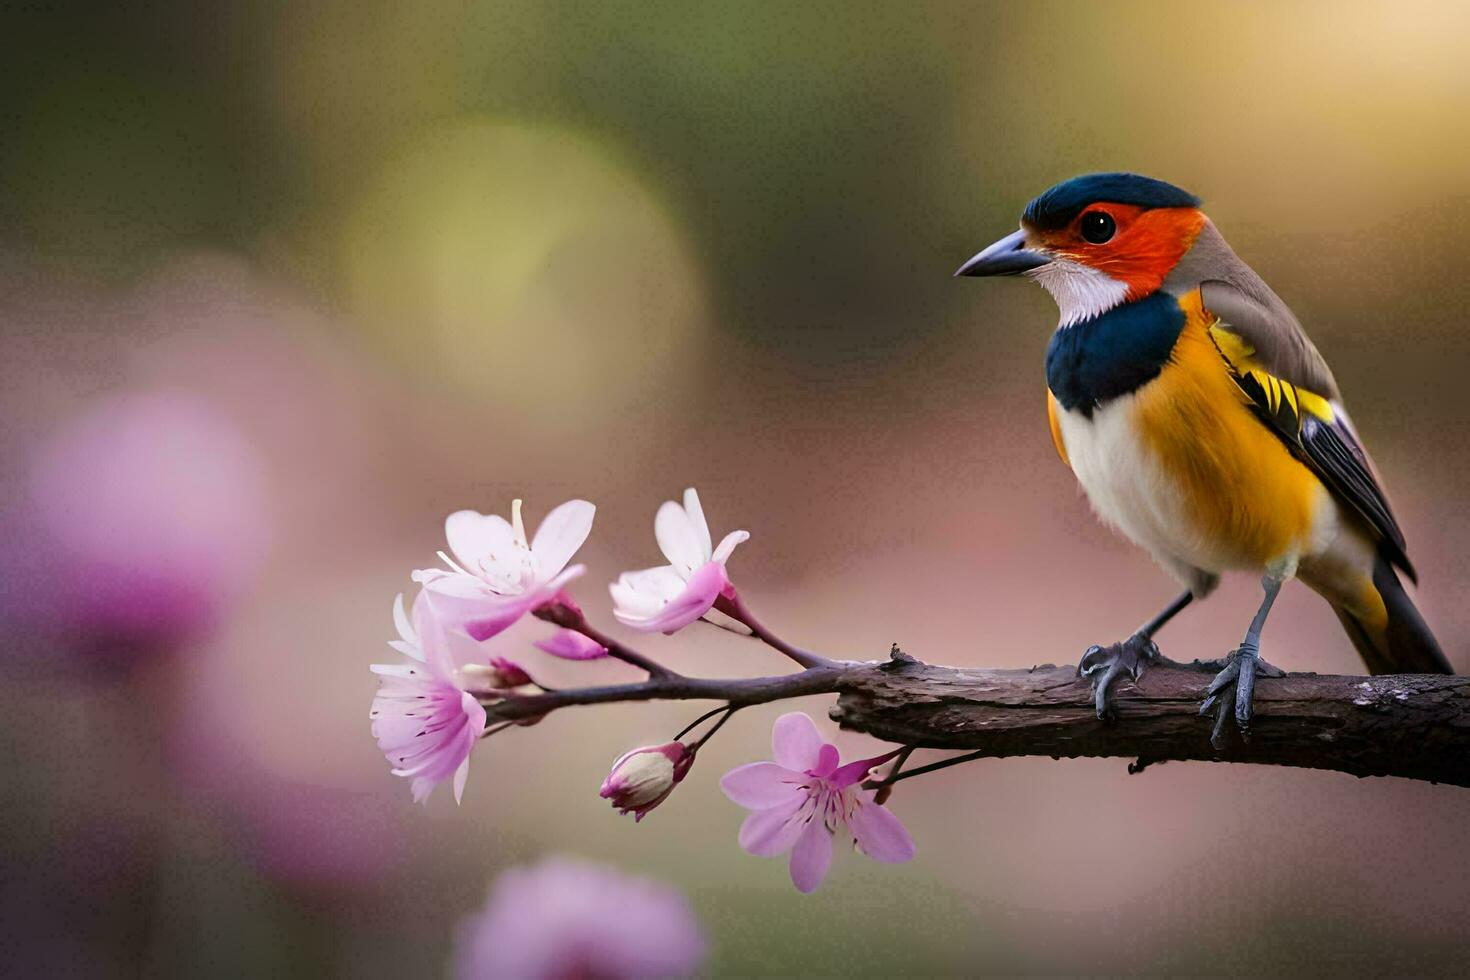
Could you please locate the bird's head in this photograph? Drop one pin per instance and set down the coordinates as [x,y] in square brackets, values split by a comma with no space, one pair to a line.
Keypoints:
[1097,241]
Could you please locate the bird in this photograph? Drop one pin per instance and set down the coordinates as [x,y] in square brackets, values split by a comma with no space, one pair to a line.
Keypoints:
[1204,425]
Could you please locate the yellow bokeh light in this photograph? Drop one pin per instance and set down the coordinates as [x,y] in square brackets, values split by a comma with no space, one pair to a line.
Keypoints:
[525,264]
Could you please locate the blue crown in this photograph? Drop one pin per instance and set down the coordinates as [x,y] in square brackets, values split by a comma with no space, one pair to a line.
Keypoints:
[1057,207]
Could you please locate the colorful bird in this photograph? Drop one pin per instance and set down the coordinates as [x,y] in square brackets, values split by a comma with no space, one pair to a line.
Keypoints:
[1205,426]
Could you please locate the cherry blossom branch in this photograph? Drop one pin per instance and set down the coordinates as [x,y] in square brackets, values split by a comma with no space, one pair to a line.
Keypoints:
[444,696]
[737,692]
[1413,726]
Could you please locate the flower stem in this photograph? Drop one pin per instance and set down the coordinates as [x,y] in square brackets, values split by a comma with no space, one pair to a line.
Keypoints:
[570,617]
[729,713]
[733,606]
[496,729]
[702,718]
[897,777]
[885,787]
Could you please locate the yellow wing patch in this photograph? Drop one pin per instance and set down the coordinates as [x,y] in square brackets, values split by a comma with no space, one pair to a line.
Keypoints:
[1271,392]
[1052,409]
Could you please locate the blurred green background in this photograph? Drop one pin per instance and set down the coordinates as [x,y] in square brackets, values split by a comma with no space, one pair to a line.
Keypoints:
[281,284]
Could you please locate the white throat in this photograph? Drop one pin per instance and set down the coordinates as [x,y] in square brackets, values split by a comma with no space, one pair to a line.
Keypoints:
[1081,291]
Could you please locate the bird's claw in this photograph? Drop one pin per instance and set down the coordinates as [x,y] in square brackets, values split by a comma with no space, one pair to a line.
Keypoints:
[1105,666]
[1231,693]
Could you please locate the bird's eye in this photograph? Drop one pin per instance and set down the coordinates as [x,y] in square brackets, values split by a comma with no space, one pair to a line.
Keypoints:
[1097,227]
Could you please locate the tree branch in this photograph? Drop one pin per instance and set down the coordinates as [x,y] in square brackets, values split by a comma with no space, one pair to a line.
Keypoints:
[1411,725]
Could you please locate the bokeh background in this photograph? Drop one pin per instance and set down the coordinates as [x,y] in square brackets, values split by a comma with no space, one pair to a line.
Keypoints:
[283,284]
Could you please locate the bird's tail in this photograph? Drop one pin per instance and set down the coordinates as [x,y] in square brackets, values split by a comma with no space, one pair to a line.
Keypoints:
[1397,640]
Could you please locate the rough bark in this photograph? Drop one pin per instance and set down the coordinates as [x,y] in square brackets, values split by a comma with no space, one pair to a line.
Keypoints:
[1411,725]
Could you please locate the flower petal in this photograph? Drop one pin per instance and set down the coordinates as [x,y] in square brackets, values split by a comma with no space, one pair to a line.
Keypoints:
[827,760]
[695,511]
[571,645]
[425,727]
[475,712]
[762,785]
[461,776]
[766,833]
[462,602]
[678,539]
[811,857]
[878,832]
[795,742]
[475,537]
[646,591]
[631,607]
[561,533]
[727,545]
[433,638]
[400,622]
[560,581]
[856,772]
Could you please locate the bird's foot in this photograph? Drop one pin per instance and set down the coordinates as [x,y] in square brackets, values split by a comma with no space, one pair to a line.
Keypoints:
[1232,691]
[1105,666]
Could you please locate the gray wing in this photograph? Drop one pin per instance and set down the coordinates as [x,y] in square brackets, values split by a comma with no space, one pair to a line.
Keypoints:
[1282,346]
[1276,366]
[1232,291]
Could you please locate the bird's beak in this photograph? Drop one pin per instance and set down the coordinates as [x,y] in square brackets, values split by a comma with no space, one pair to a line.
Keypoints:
[1007,257]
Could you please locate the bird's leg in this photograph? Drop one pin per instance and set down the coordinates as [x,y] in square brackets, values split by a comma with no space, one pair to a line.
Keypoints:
[1105,666]
[1231,691]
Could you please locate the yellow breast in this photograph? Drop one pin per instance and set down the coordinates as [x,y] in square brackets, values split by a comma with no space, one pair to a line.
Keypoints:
[1240,486]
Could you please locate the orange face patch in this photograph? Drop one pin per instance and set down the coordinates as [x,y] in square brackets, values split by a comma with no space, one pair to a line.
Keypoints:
[1147,244]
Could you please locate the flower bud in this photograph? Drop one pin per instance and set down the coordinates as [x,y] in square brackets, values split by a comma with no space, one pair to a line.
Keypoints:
[643,778]
[499,674]
[571,645]
[508,673]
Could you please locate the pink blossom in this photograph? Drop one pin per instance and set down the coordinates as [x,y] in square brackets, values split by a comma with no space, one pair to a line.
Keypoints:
[670,597]
[148,518]
[643,778]
[496,576]
[569,918]
[424,719]
[571,645]
[801,800]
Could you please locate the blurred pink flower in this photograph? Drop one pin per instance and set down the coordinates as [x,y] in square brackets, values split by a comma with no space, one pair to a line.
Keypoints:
[567,918]
[571,645]
[496,576]
[643,778]
[148,517]
[802,799]
[425,721]
[670,597]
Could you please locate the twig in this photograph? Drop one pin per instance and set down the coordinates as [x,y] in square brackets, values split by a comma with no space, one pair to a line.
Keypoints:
[674,687]
[733,606]
[570,617]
